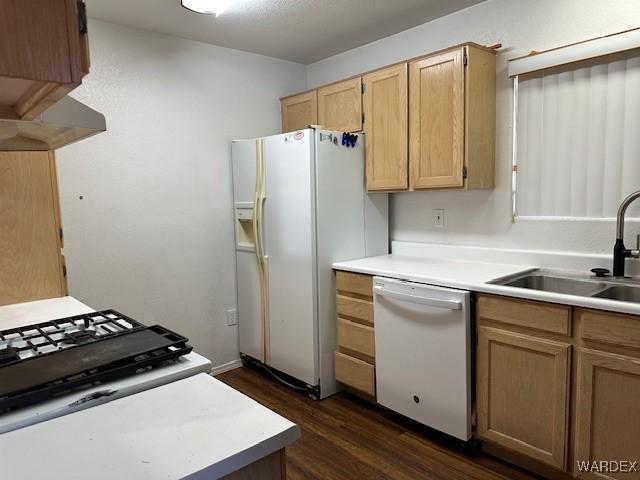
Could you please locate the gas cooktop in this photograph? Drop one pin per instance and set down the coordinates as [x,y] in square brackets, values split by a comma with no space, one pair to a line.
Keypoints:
[48,359]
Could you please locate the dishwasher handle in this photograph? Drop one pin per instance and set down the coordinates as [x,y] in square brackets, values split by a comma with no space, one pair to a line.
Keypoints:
[407,297]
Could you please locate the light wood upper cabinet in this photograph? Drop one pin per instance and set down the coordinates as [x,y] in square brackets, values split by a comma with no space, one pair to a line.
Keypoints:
[436,116]
[340,106]
[523,394]
[607,411]
[452,119]
[480,118]
[31,266]
[429,123]
[299,111]
[386,127]
[43,54]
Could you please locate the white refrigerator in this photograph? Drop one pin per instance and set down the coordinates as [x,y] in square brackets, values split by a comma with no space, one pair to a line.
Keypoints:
[300,204]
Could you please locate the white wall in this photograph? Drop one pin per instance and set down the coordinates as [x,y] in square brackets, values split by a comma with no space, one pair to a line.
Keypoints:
[153,235]
[483,217]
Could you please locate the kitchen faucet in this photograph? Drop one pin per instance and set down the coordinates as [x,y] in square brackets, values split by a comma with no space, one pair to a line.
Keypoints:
[620,253]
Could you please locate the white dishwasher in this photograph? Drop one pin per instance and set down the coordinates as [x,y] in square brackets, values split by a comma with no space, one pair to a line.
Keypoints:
[423,353]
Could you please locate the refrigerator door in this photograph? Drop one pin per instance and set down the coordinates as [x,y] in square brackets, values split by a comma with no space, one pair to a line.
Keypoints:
[289,233]
[250,314]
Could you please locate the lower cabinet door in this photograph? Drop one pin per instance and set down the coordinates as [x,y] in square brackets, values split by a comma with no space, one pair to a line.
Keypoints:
[607,416]
[523,394]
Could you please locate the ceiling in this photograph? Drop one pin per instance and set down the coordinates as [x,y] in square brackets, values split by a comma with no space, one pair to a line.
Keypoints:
[302,31]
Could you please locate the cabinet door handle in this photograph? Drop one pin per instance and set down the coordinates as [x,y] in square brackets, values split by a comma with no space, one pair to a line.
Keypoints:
[83,27]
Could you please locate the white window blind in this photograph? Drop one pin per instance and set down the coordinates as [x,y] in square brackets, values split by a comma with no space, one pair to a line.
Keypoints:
[578,138]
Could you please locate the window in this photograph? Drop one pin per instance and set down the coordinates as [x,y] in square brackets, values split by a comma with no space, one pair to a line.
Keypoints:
[577,137]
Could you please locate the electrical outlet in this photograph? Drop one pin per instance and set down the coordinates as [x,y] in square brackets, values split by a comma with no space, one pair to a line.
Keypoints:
[438,217]
[232,317]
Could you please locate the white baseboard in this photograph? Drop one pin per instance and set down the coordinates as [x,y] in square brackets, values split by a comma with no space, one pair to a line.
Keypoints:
[225,367]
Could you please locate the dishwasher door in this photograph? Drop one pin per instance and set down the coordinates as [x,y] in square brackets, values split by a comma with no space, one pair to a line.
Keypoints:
[423,359]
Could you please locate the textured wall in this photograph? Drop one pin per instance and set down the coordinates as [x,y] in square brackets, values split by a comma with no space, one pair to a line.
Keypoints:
[479,217]
[153,234]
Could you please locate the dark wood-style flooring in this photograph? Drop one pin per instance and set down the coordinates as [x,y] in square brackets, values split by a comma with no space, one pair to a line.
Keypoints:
[345,438]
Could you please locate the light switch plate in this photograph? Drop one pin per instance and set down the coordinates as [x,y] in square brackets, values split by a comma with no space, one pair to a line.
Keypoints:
[438,217]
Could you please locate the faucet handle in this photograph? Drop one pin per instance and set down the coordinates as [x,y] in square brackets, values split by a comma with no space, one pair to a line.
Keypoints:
[636,253]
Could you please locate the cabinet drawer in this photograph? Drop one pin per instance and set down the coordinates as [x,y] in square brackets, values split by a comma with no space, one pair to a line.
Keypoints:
[354,283]
[355,373]
[542,316]
[611,328]
[355,308]
[357,339]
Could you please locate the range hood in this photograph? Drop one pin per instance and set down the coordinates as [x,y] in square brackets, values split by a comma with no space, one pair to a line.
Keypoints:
[65,122]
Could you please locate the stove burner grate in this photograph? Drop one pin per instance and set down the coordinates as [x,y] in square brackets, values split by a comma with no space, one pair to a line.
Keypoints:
[53,358]
[48,337]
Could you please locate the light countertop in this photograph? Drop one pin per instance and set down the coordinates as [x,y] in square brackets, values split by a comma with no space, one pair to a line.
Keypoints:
[473,276]
[23,314]
[197,427]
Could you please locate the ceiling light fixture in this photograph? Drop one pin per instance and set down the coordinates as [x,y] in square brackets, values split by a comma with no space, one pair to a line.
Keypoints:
[206,7]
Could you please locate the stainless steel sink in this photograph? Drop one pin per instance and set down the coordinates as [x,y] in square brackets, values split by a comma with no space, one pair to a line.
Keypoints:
[611,288]
[622,293]
[568,286]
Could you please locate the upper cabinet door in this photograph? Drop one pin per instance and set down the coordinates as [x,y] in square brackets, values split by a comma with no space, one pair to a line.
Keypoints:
[299,111]
[436,116]
[340,106]
[43,54]
[386,127]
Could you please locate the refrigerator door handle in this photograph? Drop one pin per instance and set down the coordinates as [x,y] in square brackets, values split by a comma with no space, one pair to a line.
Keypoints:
[257,224]
[257,227]
[259,233]
[258,204]
[260,198]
